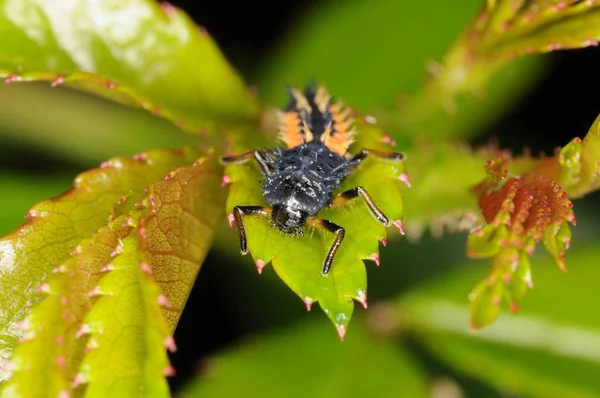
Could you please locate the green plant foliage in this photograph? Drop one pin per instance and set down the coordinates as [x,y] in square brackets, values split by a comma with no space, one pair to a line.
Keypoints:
[136,52]
[387,75]
[142,278]
[549,349]
[275,365]
[299,261]
[440,169]
[506,28]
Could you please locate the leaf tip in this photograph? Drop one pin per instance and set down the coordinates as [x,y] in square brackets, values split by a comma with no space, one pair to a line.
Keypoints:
[400,225]
[375,258]
[308,301]
[362,298]
[341,331]
[260,264]
[405,179]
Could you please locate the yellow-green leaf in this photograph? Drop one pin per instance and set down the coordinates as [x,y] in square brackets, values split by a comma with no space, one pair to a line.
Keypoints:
[138,52]
[57,226]
[276,365]
[299,260]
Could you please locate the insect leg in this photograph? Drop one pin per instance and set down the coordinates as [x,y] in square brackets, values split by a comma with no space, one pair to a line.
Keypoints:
[353,193]
[339,232]
[257,155]
[238,213]
[364,153]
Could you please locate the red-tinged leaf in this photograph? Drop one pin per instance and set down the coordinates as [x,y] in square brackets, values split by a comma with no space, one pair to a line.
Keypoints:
[117,300]
[519,212]
[56,227]
[127,331]
[138,52]
[576,167]
[508,28]
[52,347]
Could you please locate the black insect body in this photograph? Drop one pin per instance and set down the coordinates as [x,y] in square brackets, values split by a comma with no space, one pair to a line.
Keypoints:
[300,181]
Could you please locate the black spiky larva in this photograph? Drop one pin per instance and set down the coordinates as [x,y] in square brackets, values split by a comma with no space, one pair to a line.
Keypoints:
[299,181]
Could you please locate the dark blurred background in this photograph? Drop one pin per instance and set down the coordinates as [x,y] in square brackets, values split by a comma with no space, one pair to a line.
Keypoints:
[562,105]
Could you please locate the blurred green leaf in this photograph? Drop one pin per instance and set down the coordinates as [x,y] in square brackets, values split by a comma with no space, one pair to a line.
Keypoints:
[307,361]
[20,191]
[523,27]
[371,53]
[299,260]
[445,170]
[136,52]
[79,127]
[550,348]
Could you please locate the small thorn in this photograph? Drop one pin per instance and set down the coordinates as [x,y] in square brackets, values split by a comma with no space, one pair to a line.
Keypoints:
[78,380]
[61,361]
[64,394]
[225,180]
[230,220]
[383,241]
[375,257]
[514,307]
[110,85]
[61,269]
[169,342]
[9,366]
[362,297]
[31,213]
[169,371]
[404,178]
[95,291]
[83,329]
[400,226]
[144,266]
[341,331]
[59,340]
[23,325]
[388,140]
[43,288]
[57,81]
[77,250]
[12,78]
[496,300]
[308,301]
[260,264]
[163,301]
[107,268]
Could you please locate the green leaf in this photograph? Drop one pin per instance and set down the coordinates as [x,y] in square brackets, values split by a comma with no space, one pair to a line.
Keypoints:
[550,348]
[371,70]
[19,190]
[299,260]
[127,331]
[34,115]
[136,52]
[57,227]
[577,166]
[506,28]
[111,308]
[445,170]
[276,365]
